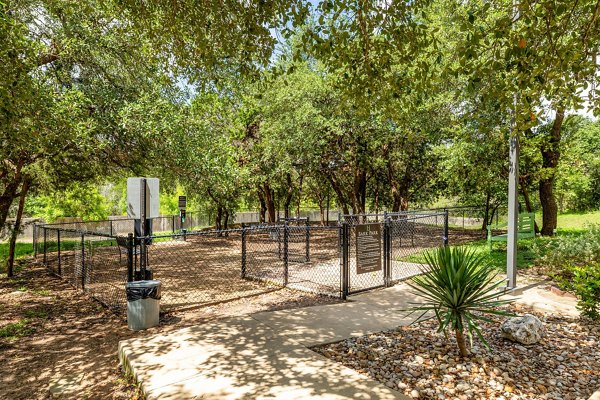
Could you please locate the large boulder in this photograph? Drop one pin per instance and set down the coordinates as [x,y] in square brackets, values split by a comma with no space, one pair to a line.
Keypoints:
[527,329]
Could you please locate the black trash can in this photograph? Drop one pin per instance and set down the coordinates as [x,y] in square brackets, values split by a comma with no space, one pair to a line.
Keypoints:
[143,304]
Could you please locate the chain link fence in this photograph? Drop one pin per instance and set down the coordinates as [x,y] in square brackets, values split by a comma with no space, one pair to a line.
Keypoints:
[90,261]
[411,235]
[202,267]
[194,220]
[264,254]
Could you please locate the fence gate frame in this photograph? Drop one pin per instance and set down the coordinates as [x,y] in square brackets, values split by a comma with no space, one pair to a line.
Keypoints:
[386,243]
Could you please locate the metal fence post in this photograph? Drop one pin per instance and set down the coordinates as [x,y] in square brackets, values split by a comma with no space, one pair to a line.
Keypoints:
[45,247]
[34,240]
[130,257]
[111,227]
[286,238]
[345,261]
[446,227]
[307,239]
[143,229]
[59,263]
[82,261]
[385,247]
[173,223]
[386,251]
[243,251]
[279,239]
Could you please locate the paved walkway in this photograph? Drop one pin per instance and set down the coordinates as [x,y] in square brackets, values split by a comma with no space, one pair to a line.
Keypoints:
[265,355]
[372,311]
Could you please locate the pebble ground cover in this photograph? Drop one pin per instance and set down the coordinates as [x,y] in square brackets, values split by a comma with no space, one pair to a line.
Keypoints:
[422,364]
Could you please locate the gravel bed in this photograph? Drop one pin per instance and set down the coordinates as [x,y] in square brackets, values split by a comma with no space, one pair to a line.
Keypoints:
[421,363]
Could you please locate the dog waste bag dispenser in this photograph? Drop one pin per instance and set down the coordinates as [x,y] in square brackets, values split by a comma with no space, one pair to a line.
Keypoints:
[143,205]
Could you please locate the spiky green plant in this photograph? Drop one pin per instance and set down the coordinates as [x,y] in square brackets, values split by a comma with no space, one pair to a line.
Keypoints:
[459,289]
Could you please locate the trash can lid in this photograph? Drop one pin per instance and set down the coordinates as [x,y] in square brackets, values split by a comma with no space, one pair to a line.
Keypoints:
[143,290]
[141,284]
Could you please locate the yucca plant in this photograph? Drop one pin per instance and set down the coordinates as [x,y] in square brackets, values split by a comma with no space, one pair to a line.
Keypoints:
[459,289]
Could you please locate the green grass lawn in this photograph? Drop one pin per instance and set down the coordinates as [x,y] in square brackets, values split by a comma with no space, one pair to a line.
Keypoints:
[21,250]
[496,257]
[26,249]
[575,221]
[568,224]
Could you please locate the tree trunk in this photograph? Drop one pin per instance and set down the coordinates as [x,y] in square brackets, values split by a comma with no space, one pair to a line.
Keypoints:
[327,211]
[263,207]
[299,196]
[460,340]
[226,219]
[377,200]
[16,230]
[288,196]
[359,194]
[322,211]
[339,193]
[550,156]
[270,202]
[6,200]
[404,203]
[400,199]
[11,187]
[218,218]
[397,201]
[486,214]
[399,191]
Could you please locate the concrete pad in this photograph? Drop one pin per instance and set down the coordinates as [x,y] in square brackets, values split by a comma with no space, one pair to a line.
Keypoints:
[546,302]
[240,358]
[368,312]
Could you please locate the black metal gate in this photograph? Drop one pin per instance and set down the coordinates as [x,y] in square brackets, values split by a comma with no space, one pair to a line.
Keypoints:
[403,237]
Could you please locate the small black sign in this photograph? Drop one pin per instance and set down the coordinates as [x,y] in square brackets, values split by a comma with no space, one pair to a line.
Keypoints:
[368,248]
[182,202]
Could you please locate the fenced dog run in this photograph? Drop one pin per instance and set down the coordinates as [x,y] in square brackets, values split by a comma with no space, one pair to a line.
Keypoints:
[196,268]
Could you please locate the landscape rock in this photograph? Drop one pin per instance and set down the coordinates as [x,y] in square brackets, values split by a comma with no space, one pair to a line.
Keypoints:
[527,329]
[506,371]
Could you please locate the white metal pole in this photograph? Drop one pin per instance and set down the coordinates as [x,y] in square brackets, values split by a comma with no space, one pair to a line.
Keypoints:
[513,211]
[513,192]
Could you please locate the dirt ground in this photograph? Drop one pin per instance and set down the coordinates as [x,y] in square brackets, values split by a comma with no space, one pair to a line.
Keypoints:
[50,331]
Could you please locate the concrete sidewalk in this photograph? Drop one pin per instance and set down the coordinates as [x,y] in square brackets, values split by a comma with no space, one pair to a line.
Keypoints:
[373,311]
[266,355]
[240,358]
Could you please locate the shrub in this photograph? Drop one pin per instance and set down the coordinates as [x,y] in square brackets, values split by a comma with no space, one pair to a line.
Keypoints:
[570,249]
[574,263]
[459,288]
[585,282]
